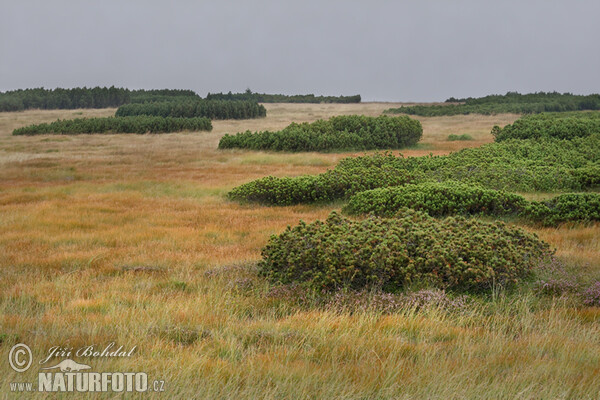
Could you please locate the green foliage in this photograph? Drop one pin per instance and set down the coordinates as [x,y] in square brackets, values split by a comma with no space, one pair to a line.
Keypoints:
[155,95]
[248,95]
[565,208]
[351,175]
[436,199]
[511,102]
[139,124]
[97,97]
[453,198]
[212,109]
[347,132]
[516,165]
[412,249]
[560,126]
[463,137]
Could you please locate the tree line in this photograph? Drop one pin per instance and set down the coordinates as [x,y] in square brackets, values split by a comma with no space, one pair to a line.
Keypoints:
[138,124]
[83,97]
[104,97]
[248,95]
[511,102]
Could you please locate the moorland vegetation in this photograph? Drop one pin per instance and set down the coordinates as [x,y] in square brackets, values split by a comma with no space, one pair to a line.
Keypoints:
[511,102]
[346,132]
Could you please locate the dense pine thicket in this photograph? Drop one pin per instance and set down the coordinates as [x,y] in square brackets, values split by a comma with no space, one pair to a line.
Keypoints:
[550,125]
[411,250]
[139,124]
[248,95]
[212,109]
[511,102]
[518,165]
[153,95]
[97,97]
[103,97]
[455,198]
[351,132]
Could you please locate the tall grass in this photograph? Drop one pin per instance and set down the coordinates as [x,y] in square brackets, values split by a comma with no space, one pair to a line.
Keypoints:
[129,239]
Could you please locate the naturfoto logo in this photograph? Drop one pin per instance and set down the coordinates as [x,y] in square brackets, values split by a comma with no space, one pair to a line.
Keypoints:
[69,366]
[71,376]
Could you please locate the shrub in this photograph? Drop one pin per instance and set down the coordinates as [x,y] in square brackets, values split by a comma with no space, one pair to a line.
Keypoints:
[550,126]
[556,287]
[413,249]
[436,199]
[140,124]
[591,296]
[554,278]
[453,198]
[565,208]
[511,102]
[351,175]
[195,108]
[587,177]
[463,137]
[351,132]
[518,165]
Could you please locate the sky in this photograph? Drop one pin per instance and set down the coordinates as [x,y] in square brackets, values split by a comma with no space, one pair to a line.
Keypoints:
[427,50]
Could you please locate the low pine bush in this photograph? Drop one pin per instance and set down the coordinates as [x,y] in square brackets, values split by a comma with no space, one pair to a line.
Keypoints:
[411,250]
[570,126]
[570,207]
[518,165]
[454,198]
[139,124]
[194,108]
[511,102]
[436,199]
[351,175]
[353,132]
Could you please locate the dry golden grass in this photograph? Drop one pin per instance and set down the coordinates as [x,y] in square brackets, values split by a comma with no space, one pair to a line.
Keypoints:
[129,238]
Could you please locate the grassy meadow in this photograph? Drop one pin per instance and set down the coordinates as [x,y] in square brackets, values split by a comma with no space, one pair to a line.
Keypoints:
[130,239]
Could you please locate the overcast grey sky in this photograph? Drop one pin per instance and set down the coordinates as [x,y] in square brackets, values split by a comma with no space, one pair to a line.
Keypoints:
[385,50]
